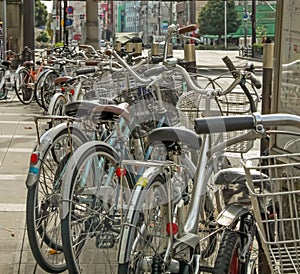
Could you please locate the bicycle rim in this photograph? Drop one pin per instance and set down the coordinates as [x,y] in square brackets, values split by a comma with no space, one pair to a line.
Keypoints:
[38,86]
[24,87]
[90,231]
[3,90]
[147,239]
[48,89]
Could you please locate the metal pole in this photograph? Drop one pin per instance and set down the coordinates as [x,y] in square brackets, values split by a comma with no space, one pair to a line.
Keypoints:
[253,21]
[4,25]
[246,24]
[268,53]
[28,24]
[225,23]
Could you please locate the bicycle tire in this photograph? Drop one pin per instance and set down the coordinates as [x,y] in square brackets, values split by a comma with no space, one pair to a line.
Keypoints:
[228,256]
[3,89]
[48,89]
[57,107]
[24,86]
[146,232]
[91,221]
[42,215]
[37,87]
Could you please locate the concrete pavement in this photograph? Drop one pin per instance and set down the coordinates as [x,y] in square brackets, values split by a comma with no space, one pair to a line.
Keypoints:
[17,139]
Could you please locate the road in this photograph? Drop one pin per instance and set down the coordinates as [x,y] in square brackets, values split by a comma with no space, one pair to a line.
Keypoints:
[17,139]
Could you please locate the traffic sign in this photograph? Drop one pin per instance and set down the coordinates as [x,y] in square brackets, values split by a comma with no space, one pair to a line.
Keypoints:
[69,22]
[69,10]
[246,16]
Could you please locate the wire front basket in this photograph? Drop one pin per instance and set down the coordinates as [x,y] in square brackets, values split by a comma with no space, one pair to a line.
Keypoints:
[192,105]
[275,196]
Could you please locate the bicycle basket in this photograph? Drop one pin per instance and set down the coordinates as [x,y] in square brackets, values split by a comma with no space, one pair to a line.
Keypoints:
[192,105]
[275,197]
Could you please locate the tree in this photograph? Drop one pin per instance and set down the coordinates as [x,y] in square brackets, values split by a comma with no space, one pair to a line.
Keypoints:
[211,18]
[40,13]
[43,37]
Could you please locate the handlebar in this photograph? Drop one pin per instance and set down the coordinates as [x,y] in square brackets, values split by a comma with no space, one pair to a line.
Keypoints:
[220,124]
[86,70]
[235,72]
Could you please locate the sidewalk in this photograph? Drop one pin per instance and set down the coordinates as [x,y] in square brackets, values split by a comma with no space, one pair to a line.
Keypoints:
[17,139]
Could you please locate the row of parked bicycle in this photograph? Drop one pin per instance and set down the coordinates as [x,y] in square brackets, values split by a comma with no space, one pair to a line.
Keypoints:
[134,174]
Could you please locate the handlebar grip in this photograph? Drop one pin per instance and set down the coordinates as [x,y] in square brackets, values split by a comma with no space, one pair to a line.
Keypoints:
[230,66]
[154,71]
[86,70]
[188,28]
[223,124]
[255,81]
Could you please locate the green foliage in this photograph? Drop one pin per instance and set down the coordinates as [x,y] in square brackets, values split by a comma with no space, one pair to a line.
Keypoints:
[261,33]
[49,29]
[40,13]
[211,18]
[43,37]
[58,44]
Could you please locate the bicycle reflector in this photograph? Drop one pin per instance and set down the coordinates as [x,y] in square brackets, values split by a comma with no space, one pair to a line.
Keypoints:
[120,172]
[72,92]
[62,89]
[172,228]
[34,158]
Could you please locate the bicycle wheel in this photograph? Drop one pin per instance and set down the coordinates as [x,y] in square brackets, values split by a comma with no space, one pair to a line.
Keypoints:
[48,89]
[228,256]
[24,86]
[38,87]
[57,107]
[92,209]
[3,89]
[144,237]
[42,216]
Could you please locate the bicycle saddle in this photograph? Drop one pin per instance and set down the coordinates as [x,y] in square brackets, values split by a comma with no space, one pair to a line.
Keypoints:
[96,111]
[5,63]
[62,80]
[28,64]
[170,135]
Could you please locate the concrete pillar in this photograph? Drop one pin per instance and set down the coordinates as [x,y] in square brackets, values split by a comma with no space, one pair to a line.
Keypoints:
[28,19]
[14,24]
[92,23]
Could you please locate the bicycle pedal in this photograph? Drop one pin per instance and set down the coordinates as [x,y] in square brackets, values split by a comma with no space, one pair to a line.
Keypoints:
[105,241]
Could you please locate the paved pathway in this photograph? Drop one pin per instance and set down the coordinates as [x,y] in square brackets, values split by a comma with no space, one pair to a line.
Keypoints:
[17,139]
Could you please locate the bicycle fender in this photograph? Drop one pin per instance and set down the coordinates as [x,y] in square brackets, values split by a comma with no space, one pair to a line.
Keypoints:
[133,214]
[67,178]
[45,141]
[53,101]
[20,68]
[44,75]
[230,214]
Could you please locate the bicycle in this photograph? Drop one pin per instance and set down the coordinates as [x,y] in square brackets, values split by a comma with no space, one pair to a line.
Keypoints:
[270,190]
[43,236]
[25,79]
[79,249]
[6,83]
[161,250]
